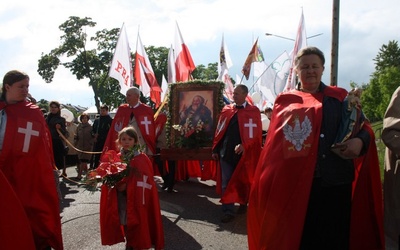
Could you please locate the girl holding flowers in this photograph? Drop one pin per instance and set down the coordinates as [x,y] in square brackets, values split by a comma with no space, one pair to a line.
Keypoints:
[129,204]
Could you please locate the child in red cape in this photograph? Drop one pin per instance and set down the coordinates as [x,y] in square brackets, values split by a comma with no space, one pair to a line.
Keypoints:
[130,210]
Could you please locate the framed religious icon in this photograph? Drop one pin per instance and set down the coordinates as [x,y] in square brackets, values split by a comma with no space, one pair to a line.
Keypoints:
[194,108]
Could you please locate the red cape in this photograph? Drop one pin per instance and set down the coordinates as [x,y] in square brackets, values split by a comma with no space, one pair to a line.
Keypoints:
[250,127]
[279,196]
[13,220]
[143,114]
[27,163]
[144,225]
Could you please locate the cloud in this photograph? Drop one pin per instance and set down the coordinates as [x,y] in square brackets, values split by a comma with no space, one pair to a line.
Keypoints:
[28,29]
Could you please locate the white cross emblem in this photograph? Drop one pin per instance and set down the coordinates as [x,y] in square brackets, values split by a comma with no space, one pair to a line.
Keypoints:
[146,123]
[29,132]
[144,185]
[250,125]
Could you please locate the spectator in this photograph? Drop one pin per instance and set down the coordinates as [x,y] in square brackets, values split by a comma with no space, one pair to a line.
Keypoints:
[101,126]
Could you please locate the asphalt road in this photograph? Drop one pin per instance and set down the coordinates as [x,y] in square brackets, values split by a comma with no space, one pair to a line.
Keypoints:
[191,218]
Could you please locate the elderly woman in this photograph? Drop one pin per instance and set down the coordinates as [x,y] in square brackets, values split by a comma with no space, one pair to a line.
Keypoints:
[84,142]
[27,164]
[305,196]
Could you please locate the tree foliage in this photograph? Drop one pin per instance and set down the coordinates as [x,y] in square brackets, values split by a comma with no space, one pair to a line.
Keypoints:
[92,64]
[384,81]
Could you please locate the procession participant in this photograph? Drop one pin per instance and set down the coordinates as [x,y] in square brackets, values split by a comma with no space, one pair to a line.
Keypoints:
[133,202]
[27,162]
[237,145]
[313,189]
[138,115]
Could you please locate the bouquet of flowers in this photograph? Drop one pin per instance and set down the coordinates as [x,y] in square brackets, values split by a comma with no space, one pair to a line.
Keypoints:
[112,168]
[191,136]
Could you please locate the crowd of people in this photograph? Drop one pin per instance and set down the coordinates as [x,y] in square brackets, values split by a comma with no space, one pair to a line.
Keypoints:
[312,182]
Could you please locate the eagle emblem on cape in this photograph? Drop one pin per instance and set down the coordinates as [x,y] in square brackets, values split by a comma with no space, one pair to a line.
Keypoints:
[298,133]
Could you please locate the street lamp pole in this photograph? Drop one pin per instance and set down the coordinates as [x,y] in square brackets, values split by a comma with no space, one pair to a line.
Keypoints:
[291,39]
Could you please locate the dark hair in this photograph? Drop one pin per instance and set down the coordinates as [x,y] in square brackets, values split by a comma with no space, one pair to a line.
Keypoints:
[104,106]
[309,51]
[82,116]
[56,104]
[130,131]
[10,78]
[243,88]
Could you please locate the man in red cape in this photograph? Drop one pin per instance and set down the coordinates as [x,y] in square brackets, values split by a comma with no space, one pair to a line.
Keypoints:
[144,227]
[237,150]
[26,160]
[135,114]
[280,193]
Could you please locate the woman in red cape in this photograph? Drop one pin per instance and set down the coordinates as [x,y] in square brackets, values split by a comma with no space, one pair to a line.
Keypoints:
[297,169]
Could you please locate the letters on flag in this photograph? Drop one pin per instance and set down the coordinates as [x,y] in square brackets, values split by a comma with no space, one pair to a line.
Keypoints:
[121,65]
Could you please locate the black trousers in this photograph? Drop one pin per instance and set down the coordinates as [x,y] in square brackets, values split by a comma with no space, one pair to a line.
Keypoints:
[327,223]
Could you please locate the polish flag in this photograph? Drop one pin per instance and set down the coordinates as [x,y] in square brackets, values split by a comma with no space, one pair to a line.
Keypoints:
[121,65]
[184,64]
[144,73]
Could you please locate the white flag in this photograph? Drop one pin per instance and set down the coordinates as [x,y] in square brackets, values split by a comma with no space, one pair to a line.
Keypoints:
[171,66]
[301,42]
[121,66]
[164,88]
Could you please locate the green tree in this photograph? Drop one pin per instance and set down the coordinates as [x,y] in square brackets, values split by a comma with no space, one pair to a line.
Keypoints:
[383,82]
[206,73]
[85,63]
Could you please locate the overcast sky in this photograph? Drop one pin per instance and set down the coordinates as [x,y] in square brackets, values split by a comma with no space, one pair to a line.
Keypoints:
[30,28]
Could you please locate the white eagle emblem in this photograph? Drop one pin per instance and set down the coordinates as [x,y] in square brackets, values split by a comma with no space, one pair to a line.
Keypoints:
[298,133]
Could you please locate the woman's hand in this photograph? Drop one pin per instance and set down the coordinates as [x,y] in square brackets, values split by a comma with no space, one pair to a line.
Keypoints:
[351,148]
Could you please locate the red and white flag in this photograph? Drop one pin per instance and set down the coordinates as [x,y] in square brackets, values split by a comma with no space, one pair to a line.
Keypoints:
[121,65]
[184,64]
[144,74]
[164,88]
[301,42]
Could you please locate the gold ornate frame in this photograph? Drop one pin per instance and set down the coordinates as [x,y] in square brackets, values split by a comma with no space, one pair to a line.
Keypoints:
[181,96]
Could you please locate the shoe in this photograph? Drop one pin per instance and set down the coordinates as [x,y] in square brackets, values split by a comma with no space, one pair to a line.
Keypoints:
[164,186]
[242,209]
[171,190]
[227,218]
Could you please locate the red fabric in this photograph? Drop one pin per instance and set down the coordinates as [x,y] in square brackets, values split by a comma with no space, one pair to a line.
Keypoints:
[14,224]
[142,113]
[144,222]
[367,207]
[238,188]
[28,166]
[279,196]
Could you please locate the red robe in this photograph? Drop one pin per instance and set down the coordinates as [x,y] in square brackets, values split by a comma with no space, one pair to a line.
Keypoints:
[27,162]
[14,221]
[144,116]
[144,222]
[279,195]
[249,119]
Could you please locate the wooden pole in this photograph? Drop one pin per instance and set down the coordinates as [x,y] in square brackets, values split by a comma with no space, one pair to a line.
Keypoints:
[335,42]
